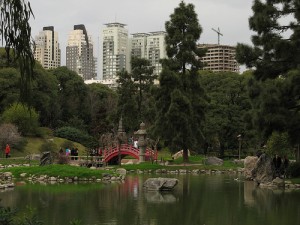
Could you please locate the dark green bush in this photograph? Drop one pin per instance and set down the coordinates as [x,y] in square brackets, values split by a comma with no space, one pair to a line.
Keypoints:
[76,135]
[293,170]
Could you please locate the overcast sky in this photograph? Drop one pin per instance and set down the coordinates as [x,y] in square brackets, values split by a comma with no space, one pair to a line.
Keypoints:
[231,16]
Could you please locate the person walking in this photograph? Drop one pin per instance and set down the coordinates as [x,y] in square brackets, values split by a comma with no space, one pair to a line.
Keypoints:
[7,151]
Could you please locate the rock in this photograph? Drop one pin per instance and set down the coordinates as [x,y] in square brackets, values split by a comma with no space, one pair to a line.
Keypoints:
[214,161]
[160,184]
[180,154]
[249,165]
[264,171]
[23,175]
[121,171]
[278,182]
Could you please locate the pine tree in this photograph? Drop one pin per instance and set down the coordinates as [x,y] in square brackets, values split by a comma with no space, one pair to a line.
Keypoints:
[180,98]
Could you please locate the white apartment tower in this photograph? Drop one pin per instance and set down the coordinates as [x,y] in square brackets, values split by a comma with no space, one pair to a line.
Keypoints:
[156,50]
[79,53]
[47,50]
[150,46]
[116,54]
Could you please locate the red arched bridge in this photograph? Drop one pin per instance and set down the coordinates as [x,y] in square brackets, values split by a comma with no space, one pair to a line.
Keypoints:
[109,154]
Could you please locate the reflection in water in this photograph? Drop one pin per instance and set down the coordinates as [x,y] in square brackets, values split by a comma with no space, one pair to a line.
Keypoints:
[159,197]
[210,200]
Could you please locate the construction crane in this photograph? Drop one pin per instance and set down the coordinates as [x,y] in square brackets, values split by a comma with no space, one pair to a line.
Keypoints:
[219,34]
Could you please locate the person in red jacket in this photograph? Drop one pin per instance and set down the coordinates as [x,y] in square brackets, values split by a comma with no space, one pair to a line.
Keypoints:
[7,151]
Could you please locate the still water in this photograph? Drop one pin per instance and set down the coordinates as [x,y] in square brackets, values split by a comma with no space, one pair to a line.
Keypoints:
[198,199]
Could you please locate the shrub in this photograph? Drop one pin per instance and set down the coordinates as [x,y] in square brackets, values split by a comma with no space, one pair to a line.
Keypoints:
[278,144]
[25,118]
[293,170]
[76,135]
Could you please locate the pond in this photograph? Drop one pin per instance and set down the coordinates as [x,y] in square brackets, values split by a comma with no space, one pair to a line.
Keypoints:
[198,199]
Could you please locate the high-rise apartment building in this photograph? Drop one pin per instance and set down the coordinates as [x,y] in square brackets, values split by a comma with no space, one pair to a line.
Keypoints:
[150,46]
[220,58]
[79,53]
[47,50]
[156,50]
[116,53]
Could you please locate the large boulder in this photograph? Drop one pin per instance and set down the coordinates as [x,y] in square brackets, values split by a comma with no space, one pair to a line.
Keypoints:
[214,161]
[264,170]
[160,184]
[179,154]
[249,165]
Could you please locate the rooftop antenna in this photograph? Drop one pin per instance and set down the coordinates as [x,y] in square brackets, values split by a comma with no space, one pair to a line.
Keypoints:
[219,33]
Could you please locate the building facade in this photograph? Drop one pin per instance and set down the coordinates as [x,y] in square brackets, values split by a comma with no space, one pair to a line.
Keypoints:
[150,46]
[219,58]
[116,53]
[79,53]
[47,50]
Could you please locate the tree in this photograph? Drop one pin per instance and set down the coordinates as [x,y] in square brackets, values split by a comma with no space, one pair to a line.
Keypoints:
[183,32]
[229,104]
[180,98]
[44,96]
[142,74]
[276,59]
[276,42]
[278,144]
[102,104]
[8,135]
[127,106]
[24,117]
[72,95]
[16,34]
[9,86]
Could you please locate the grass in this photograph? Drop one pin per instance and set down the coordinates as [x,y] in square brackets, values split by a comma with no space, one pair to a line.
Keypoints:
[57,171]
[34,144]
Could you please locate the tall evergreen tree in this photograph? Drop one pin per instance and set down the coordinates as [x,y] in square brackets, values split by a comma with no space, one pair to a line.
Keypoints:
[275,55]
[180,99]
[276,42]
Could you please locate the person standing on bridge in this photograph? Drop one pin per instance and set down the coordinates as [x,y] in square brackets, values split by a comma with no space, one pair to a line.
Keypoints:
[7,151]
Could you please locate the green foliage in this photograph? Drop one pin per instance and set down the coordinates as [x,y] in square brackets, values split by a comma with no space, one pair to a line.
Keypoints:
[183,31]
[25,118]
[16,34]
[103,107]
[127,105]
[279,144]
[29,217]
[48,146]
[58,170]
[44,96]
[9,86]
[67,144]
[74,134]
[225,116]
[75,222]
[7,215]
[293,170]
[275,50]
[72,95]
[181,100]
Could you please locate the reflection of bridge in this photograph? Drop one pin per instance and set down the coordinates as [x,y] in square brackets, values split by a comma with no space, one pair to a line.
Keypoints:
[110,154]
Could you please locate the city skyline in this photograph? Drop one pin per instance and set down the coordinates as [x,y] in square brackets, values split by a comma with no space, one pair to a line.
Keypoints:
[141,17]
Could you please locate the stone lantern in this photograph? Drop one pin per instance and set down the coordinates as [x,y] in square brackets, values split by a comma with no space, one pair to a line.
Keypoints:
[142,133]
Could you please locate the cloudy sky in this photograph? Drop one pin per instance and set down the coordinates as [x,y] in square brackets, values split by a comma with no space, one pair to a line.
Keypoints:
[231,16]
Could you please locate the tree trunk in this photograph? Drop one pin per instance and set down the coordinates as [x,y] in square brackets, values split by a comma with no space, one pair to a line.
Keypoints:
[185,155]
